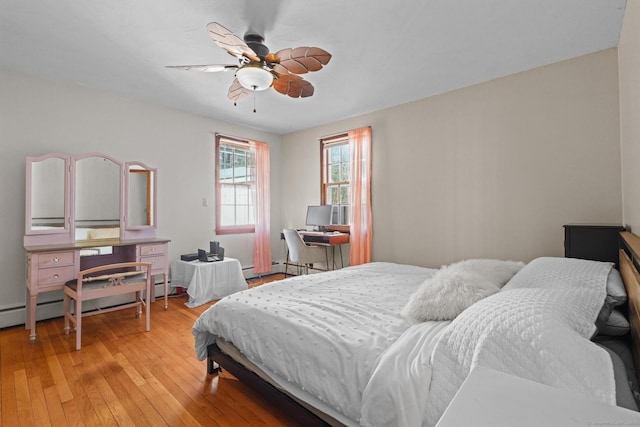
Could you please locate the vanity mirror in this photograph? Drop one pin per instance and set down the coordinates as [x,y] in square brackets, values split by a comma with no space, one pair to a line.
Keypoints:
[47,201]
[97,197]
[140,183]
[88,197]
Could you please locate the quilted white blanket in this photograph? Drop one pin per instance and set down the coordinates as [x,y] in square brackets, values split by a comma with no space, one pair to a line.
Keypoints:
[539,333]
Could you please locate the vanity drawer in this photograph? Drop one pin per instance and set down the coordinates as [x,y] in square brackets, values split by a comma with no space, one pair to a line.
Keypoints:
[55,259]
[153,249]
[158,263]
[55,276]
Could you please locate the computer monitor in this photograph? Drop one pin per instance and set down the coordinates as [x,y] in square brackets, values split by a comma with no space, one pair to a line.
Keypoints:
[319,216]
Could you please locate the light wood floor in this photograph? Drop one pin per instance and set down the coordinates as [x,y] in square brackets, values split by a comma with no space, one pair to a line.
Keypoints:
[122,376]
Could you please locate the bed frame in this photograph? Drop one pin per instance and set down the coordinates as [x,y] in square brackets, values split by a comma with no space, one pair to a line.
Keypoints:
[629,267]
[218,360]
[629,251]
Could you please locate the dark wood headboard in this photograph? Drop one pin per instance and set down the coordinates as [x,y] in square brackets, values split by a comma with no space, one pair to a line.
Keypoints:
[629,262]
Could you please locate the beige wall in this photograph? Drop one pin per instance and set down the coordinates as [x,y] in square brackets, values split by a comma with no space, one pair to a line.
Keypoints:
[492,170]
[38,116]
[629,65]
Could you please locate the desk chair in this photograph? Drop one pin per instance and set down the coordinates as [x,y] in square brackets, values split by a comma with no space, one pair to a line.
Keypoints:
[104,281]
[301,253]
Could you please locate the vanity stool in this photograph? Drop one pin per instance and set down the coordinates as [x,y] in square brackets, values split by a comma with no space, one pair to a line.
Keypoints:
[105,281]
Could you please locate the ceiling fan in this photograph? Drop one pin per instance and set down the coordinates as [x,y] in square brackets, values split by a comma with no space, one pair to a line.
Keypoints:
[258,68]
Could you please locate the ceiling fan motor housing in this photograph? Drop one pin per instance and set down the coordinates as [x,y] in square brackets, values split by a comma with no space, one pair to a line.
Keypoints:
[256,42]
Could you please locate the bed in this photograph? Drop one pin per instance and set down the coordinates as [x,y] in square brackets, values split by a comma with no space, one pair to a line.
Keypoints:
[337,348]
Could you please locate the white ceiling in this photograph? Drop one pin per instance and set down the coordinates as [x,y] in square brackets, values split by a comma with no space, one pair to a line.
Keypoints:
[385,53]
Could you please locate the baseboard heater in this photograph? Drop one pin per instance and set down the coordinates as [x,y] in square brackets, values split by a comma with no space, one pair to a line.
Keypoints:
[279,264]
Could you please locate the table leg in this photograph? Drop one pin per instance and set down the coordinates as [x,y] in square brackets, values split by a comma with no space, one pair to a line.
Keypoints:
[30,308]
[166,290]
[333,256]
[286,264]
[326,255]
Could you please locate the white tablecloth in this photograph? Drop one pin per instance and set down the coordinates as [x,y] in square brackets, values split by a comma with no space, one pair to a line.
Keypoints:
[208,281]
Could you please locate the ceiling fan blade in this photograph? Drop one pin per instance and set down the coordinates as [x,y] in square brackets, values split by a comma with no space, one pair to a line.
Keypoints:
[230,42]
[293,86]
[237,91]
[301,60]
[280,70]
[214,68]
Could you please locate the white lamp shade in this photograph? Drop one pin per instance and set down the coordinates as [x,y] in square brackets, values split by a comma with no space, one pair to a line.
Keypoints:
[254,77]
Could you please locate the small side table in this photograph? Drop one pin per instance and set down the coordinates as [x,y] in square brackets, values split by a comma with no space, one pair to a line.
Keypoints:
[489,398]
[208,281]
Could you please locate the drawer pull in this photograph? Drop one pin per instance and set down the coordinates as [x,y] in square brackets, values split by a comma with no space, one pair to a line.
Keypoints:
[56,276]
[56,259]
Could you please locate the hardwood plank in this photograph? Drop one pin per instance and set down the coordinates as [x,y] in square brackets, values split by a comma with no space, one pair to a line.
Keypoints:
[38,403]
[104,367]
[34,361]
[23,400]
[97,407]
[189,399]
[57,373]
[72,414]
[8,404]
[166,403]
[130,370]
[54,407]
[70,393]
[136,402]
[53,363]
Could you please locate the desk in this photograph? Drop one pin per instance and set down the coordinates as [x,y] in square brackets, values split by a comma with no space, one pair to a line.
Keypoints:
[328,239]
[208,281]
[49,267]
[494,399]
[324,238]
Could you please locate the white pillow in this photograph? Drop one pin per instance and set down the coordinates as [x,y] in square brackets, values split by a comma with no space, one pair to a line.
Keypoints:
[497,271]
[455,287]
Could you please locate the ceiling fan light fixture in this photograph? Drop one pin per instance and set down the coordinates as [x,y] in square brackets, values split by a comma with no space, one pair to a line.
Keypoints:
[254,77]
[258,69]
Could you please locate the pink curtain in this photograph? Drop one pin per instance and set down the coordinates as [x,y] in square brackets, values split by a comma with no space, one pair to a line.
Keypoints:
[262,206]
[361,228]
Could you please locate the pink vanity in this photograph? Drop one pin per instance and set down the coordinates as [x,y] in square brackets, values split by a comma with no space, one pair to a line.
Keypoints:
[84,211]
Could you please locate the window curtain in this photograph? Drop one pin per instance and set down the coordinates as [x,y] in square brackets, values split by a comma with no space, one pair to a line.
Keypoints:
[262,205]
[361,227]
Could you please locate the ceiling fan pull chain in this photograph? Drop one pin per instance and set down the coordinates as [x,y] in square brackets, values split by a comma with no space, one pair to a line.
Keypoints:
[254,98]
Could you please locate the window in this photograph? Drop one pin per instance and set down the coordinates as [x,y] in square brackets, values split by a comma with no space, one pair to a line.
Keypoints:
[235,182]
[336,169]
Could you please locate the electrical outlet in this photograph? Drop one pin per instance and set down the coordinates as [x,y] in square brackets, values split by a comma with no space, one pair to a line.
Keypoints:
[205,202]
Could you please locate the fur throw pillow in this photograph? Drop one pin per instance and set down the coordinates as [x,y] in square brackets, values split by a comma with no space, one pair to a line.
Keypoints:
[455,287]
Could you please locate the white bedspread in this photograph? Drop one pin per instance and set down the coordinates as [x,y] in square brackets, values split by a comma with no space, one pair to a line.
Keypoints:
[326,331]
